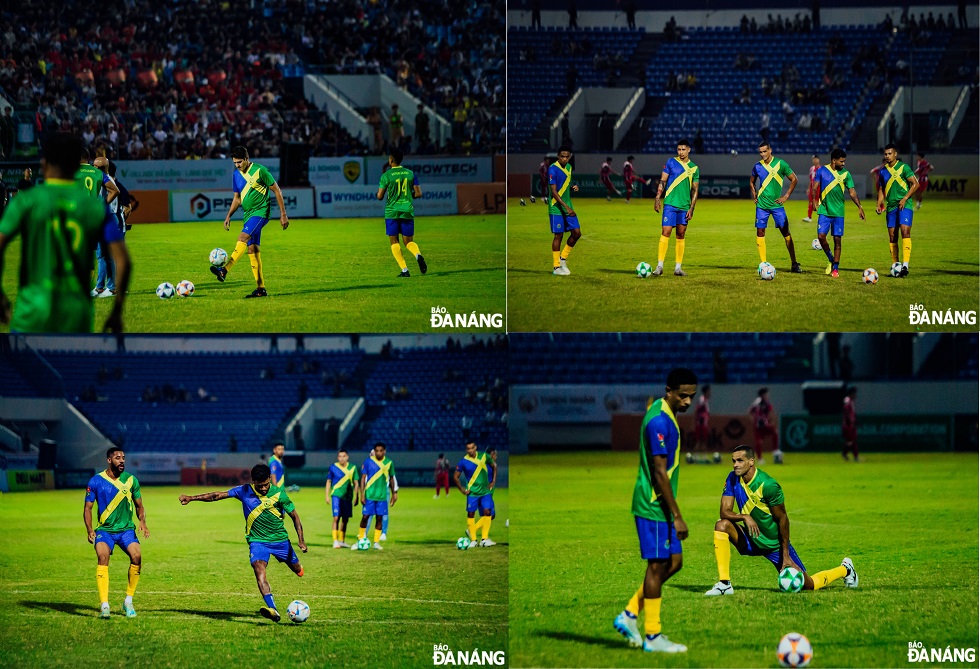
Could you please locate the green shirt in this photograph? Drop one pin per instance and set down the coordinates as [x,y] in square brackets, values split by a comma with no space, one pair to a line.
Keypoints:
[264,515]
[399,186]
[91,179]
[254,187]
[342,480]
[561,178]
[102,492]
[831,194]
[756,498]
[659,436]
[378,473]
[476,474]
[681,178]
[60,226]
[897,181]
[771,182]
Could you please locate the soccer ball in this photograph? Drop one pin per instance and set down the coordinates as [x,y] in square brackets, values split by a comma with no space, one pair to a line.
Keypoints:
[298,611]
[791,580]
[870,275]
[523,203]
[777,457]
[794,650]
[816,245]
[643,270]
[218,257]
[165,290]
[716,458]
[185,288]
[462,543]
[363,544]
[533,200]
[767,272]
[896,269]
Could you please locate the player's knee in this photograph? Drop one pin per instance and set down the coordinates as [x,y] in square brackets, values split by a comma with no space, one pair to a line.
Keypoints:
[722,526]
[103,560]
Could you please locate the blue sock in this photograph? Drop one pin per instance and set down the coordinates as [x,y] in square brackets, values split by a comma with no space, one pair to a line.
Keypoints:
[830,256]
[629,614]
[384,524]
[269,601]
[651,637]
[836,264]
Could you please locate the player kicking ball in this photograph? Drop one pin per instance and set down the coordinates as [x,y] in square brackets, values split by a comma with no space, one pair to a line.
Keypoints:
[759,526]
[263,505]
[398,187]
[252,184]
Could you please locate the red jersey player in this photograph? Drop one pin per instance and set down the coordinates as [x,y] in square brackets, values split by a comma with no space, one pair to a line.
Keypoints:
[811,191]
[543,180]
[922,169]
[605,176]
[702,413]
[629,174]
[761,412]
[849,426]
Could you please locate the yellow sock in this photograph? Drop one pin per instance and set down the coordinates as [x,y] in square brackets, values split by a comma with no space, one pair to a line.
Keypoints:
[723,554]
[760,243]
[377,536]
[414,248]
[343,536]
[679,251]
[894,251]
[336,535]
[824,578]
[636,602]
[906,249]
[557,256]
[240,248]
[361,533]
[565,252]
[471,526]
[652,624]
[134,579]
[102,582]
[486,526]
[396,250]
[662,249]
[256,261]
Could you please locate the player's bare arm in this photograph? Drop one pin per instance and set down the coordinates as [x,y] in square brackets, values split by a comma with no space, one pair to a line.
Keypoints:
[913,187]
[459,486]
[236,202]
[381,193]
[417,191]
[327,490]
[141,515]
[661,484]
[792,186]
[561,203]
[660,191]
[755,195]
[124,268]
[728,513]
[111,191]
[283,219]
[493,479]
[694,201]
[301,542]
[87,517]
[363,487]
[5,311]
[857,201]
[204,497]
[782,522]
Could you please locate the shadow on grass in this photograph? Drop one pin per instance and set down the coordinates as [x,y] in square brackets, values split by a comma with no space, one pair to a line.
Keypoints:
[63,607]
[230,616]
[606,641]
[702,589]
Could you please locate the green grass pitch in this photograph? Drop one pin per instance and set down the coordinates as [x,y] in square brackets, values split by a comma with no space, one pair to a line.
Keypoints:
[723,291]
[909,523]
[333,275]
[197,600]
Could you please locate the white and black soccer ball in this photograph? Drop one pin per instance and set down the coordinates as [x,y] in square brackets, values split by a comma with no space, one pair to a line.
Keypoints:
[533,200]
[816,245]
[523,203]
[896,269]
[166,290]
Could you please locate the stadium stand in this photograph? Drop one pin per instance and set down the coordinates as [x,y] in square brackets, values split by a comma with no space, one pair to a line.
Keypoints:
[187,80]
[196,402]
[816,86]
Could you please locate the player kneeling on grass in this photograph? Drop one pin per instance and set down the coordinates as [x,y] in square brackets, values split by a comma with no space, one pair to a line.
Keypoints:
[478,492]
[118,495]
[760,527]
[263,505]
[398,187]
[252,184]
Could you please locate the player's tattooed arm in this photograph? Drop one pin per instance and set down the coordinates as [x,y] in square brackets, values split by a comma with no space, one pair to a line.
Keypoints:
[299,529]
[204,497]
[782,523]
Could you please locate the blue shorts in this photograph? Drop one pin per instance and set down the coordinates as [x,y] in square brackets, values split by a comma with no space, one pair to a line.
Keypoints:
[762,217]
[259,551]
[658,540]
[375,508]
[479,503]
[899,217]
[342,508]
[112,538]
[825,223]
[253,228]
[561,224]
[772,556]
[674,216]
[400,226]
